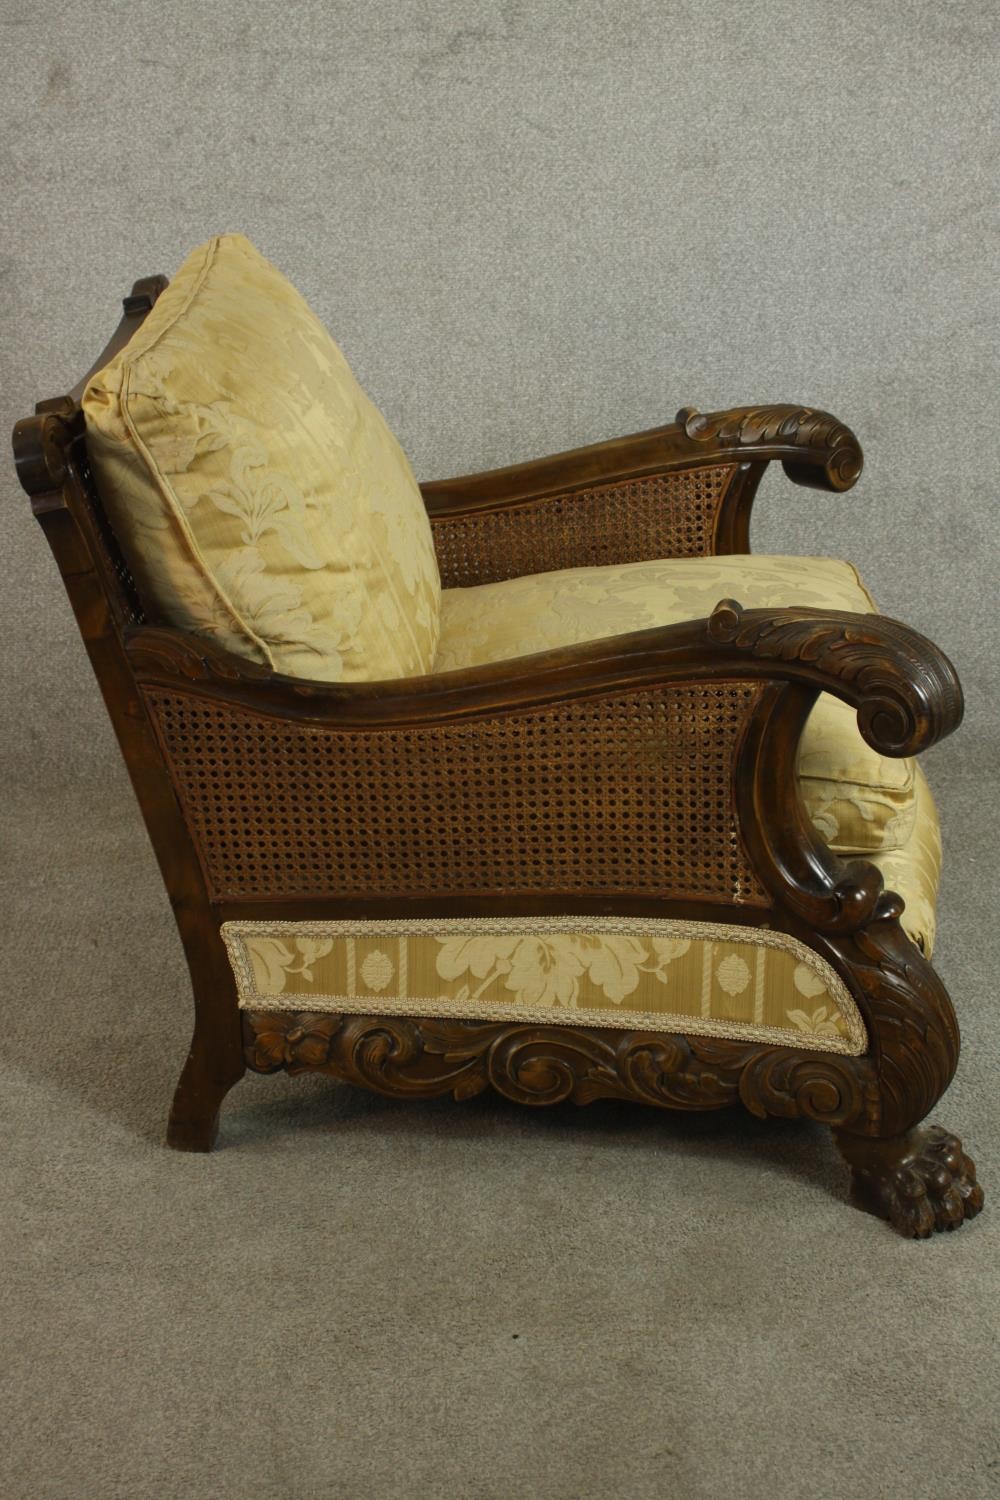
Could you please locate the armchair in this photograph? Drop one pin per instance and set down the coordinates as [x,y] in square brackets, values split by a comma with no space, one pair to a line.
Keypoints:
[587,870]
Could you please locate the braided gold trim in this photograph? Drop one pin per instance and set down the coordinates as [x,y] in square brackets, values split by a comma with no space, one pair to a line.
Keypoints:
[235,933]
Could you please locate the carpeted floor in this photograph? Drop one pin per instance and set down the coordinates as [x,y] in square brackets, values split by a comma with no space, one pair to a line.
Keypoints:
[530,225]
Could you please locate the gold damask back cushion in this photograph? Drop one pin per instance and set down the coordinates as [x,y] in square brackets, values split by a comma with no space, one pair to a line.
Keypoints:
[257,493]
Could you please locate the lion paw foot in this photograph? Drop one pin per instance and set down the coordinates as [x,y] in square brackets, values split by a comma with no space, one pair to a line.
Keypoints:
[921,1182]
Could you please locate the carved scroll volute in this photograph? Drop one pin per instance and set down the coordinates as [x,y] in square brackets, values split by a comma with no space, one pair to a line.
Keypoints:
[815,449]
[164,653]
[904,688]
[40,453]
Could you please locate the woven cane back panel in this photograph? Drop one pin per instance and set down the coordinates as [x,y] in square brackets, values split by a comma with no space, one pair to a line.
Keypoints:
[669,515]
[630,793]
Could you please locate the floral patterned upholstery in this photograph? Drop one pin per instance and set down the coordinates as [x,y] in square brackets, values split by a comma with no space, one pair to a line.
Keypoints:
[860,801]
[646,974]
[256,492]
[914,871]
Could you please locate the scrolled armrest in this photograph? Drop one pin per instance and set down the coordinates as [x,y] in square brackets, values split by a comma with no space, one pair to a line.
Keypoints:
[813,447]
[524,776]
[683,490]
[904,688]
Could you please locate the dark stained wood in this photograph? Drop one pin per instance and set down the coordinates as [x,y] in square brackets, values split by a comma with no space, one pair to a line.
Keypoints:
[51,462]
[423,1058]
[921,1180]
[905,688]
[813,447]
[907,696]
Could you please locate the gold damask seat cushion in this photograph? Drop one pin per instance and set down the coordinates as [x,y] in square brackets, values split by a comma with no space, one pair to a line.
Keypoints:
[860,801]
[257,494]
[914,870]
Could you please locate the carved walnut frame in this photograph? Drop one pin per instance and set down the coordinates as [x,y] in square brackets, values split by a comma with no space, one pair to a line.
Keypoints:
[907,697]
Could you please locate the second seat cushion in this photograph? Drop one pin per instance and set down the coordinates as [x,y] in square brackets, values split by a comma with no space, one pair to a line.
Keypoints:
[858,800]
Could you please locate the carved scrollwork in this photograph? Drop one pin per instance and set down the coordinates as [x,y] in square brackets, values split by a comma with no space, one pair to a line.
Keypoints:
[842,910]
[912,1020]
[40,452]
[855,900]
[419,1058]
[815,449]
[906,691]
[161,652]
[782,1081]
[878,1095]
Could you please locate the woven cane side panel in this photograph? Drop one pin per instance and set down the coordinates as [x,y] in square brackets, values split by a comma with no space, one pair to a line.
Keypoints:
[668,515]
[628,793]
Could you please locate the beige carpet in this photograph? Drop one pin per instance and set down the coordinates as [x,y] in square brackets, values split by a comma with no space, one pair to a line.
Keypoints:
[530,225]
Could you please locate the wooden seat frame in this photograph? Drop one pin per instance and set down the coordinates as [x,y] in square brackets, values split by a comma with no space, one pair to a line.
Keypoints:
[906,693]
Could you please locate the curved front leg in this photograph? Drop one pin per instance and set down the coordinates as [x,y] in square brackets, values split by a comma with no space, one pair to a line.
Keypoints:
[914,1174]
